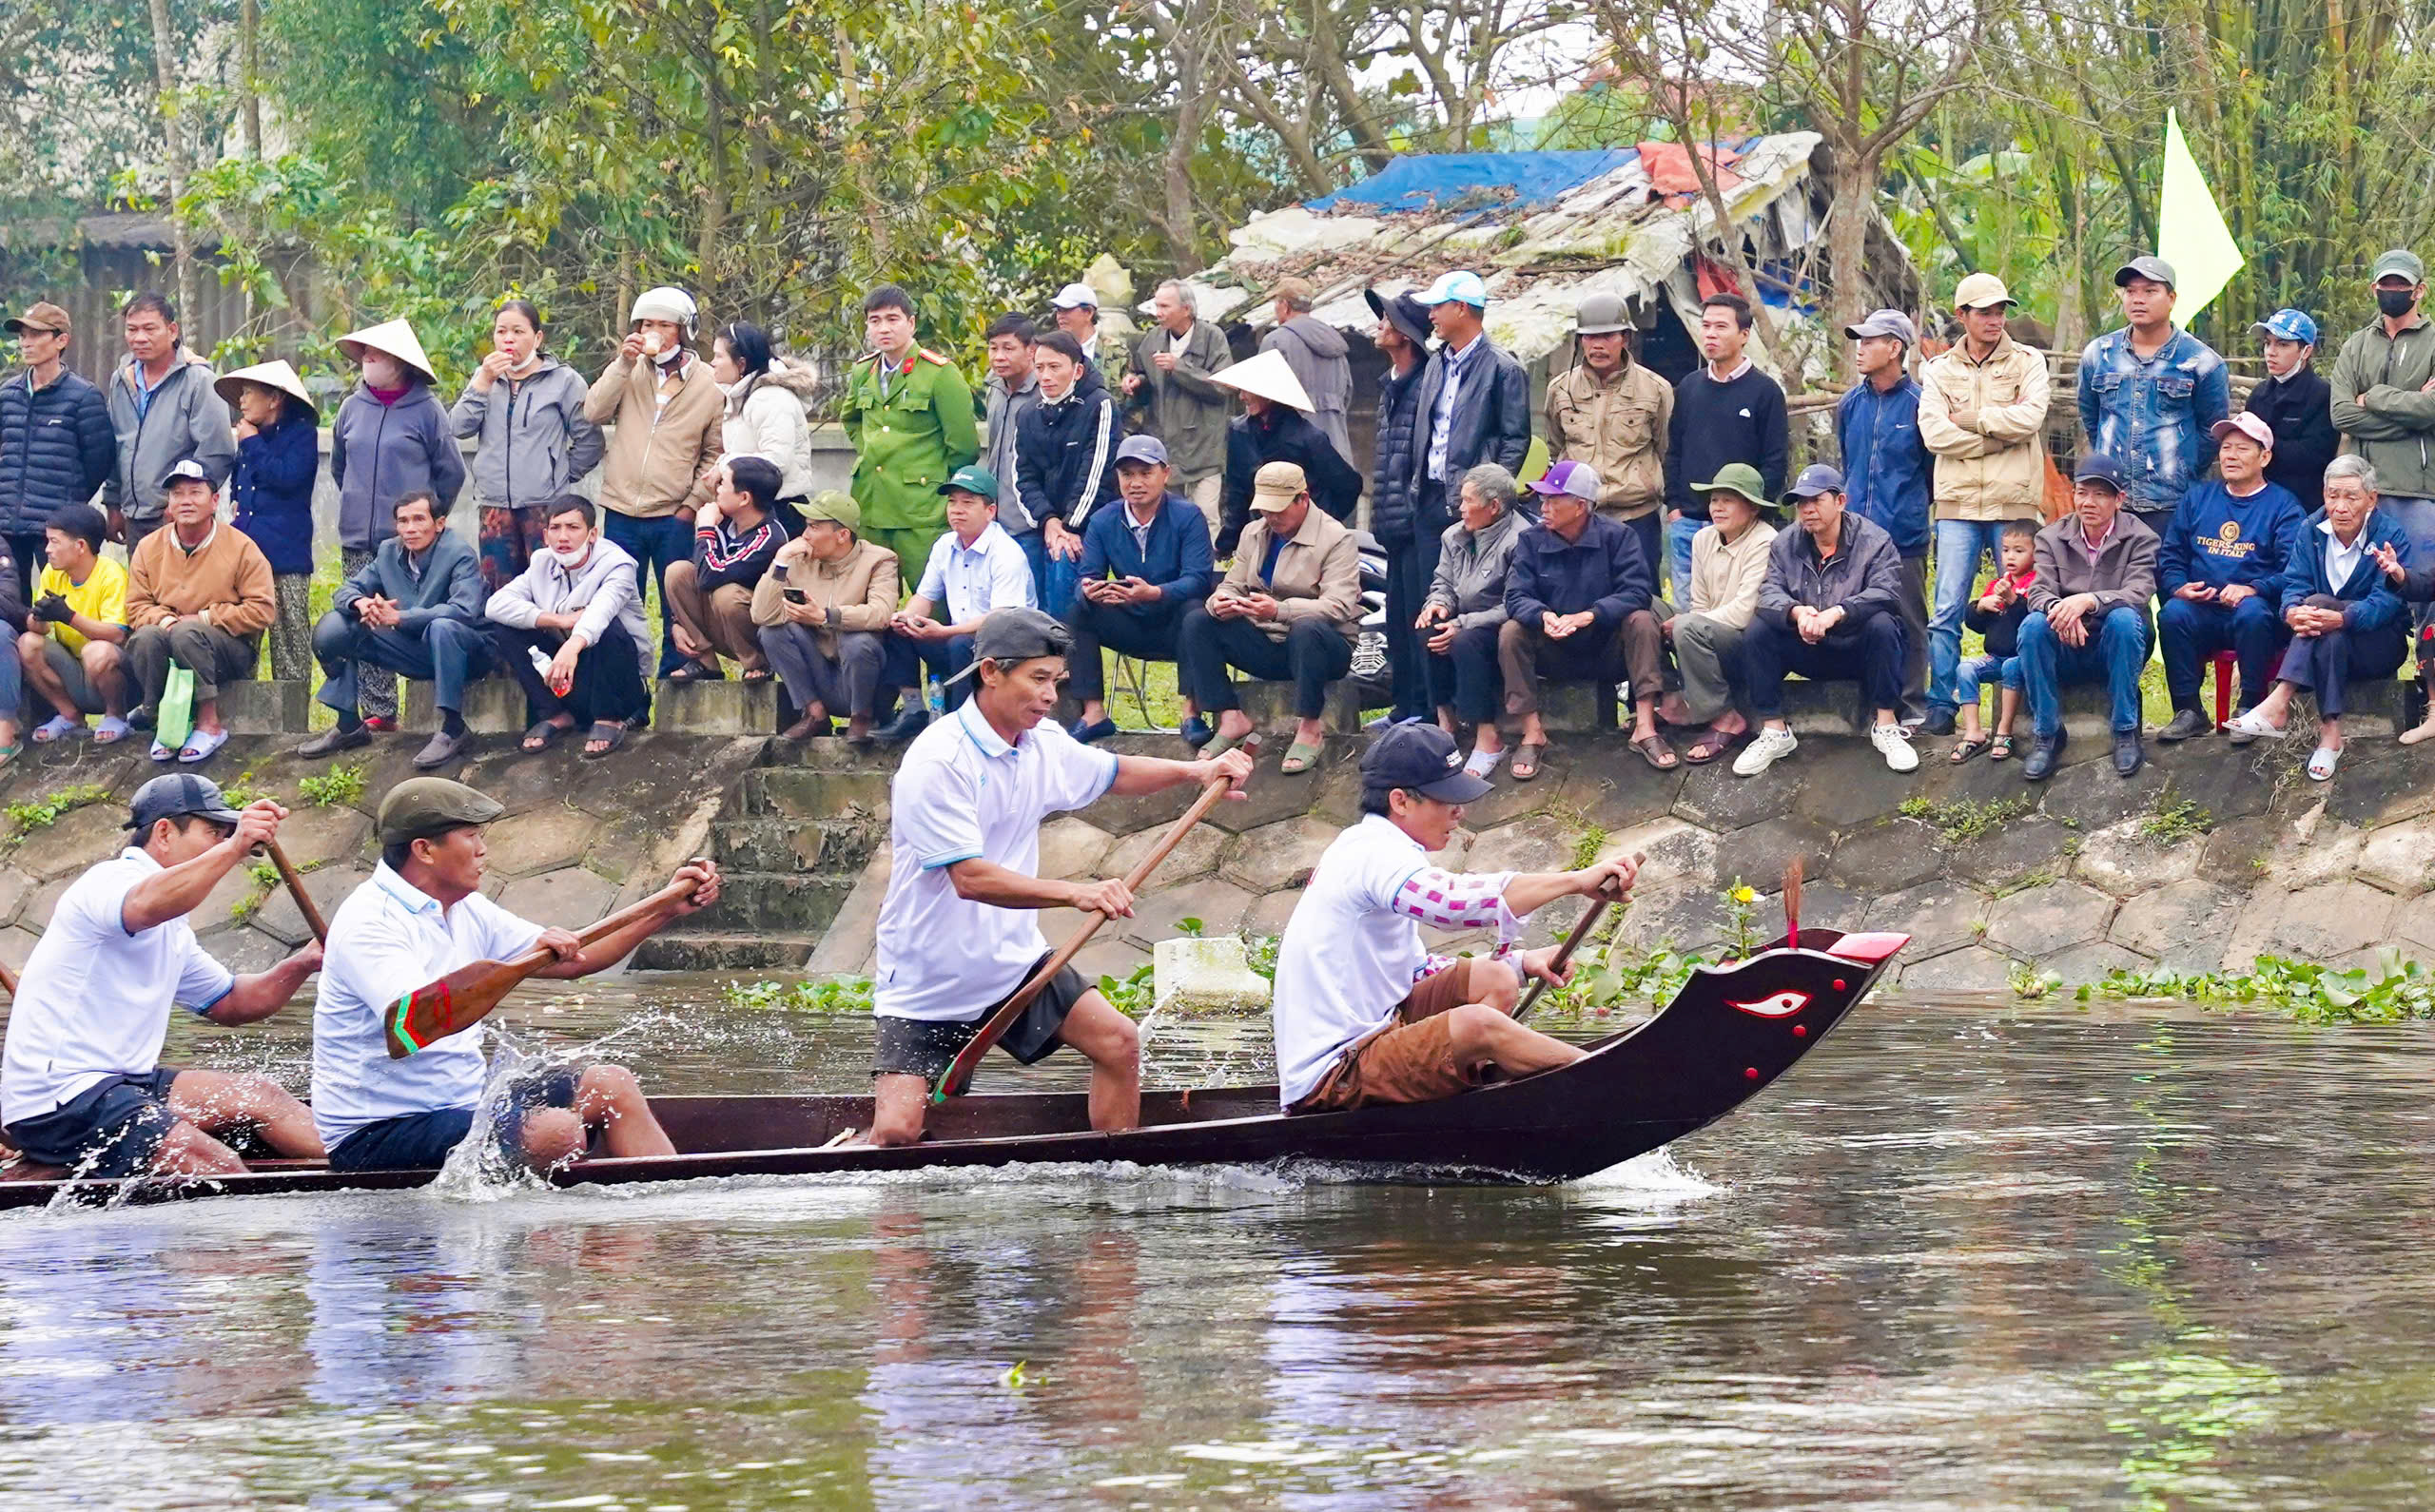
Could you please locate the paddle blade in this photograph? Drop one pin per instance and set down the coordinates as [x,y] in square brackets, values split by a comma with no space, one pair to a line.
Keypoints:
[437,1009]
[1792,900]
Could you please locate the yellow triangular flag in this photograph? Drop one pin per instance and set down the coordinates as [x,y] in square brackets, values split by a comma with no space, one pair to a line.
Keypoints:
[2191,231]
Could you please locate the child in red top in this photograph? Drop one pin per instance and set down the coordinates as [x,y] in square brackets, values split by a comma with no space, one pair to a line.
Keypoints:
[1997,616]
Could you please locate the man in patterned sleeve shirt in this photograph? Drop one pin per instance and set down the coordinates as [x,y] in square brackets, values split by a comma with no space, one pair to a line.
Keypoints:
[1364,1013]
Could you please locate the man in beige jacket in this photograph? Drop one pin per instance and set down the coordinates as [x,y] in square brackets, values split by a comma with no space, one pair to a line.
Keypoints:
[823,609]
[1610,414]
[1982,412]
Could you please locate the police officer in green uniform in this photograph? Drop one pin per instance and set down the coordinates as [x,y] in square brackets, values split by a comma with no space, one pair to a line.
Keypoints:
[908,413]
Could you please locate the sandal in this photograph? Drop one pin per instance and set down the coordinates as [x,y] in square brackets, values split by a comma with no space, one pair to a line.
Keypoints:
[606,735]
[111,730]
[59,726]
[1970,746]
[1483,763]
[1654,751]
[2322,763]
[1712,744]
[11,751]
[688,672]
[201,745]
[1299,759]
[753,674]
[544,735]
[2000,748]
[1526,759]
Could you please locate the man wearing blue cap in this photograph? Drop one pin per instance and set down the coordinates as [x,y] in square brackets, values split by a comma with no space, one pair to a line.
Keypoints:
[1145,561]
[2296,403]
[2088,615]
[1885,474]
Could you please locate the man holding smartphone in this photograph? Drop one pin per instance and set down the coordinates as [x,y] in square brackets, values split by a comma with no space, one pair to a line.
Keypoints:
[824,610]
[1143,563]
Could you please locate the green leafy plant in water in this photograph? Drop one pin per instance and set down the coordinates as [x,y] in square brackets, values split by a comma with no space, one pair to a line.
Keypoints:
[335,788]
[2395,989]
[40,813]
[1135,992]
[2171,824]
[1963,821]
[836,995]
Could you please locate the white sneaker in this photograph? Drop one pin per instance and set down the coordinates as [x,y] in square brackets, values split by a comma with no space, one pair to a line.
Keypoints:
[1765,750]
[1894,743]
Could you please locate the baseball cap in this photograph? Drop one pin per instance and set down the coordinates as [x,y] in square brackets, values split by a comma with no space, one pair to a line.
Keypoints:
[2098,468]
[1815,479]
[2398,263]
[42,318]
[1421,758]
[2150,266]
[178,794]
[185,467]
[2250,424]
[1980,290]
[1076,296]
[1575,479]
[2290,325]
[1143,449]
[1014,634]
[1460,287]
[1885,322]
[1276,485]
[423,807]
[972,479]
[834,505]
[1407,314]
[1740,477]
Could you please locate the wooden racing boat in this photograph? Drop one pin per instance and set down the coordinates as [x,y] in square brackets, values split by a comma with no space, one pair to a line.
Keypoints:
[1728,1034]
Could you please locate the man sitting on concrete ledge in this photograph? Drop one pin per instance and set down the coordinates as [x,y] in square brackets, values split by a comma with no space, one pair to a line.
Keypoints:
[570,630]
[199,596]
[1289,608]
[2088,615]
[1830,609]
[709,594]
[822,609]
[1577,596]
[416,607]
[2221,568]
[975,567]
[1145,561]
[73,645]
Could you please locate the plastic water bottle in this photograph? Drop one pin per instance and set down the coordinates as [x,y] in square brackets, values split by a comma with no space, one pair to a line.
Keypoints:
[937,697]
[541,663]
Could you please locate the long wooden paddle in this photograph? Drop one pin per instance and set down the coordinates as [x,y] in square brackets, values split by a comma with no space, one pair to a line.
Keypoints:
[957,1076]
[1572,942]
[305,904]
[461,998]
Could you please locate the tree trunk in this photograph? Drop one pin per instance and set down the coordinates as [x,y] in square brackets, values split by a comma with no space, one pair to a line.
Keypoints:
[1182,241]
[173,125]
[1854,180]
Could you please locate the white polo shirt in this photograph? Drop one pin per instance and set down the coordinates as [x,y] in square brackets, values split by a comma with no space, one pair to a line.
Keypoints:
[1352,949]
[961,792]
[94,1001]
[993,573]
[387,939]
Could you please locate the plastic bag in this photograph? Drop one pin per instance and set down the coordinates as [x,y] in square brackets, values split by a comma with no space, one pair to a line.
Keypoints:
[176,713]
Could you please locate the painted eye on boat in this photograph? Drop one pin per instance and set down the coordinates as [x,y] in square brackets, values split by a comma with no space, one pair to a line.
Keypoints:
[1779,1005]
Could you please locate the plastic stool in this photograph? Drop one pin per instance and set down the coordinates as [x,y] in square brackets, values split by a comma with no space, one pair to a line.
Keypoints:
[2225,663]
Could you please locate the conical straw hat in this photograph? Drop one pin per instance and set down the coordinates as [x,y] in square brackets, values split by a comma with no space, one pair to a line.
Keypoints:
[1269,377]
[271,375]
[396,338]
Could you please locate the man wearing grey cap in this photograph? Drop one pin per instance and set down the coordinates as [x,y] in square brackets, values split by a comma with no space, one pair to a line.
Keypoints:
[81,1082]
[1145,562]
[2384,399]
[1885,474]
[2151,395]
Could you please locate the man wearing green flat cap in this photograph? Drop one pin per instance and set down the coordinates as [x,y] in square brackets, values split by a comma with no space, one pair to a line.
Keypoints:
[1728,564]
[823,609]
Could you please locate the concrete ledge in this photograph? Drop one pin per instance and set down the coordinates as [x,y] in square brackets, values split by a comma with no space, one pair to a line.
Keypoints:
[493,706]
[267,707]
[1571,709]
[726,708]
[1270,706]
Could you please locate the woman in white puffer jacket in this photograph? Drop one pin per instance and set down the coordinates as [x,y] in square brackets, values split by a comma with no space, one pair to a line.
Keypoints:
[765,400]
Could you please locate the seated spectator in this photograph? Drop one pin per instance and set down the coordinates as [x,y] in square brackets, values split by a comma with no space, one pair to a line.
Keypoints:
[2347,623]
[1064,454]
[974,568]
[2220,569]
[1728,564]
[1463,613]
[822,609]
[200,598]
[570,630]
[2088,617]
[279,454]
[417,609]
[1996,615]
[1289,608]
[1145,561]
[1830,609]
[13,614]
[74,645]
[2415,585]
[736,536]
[1276,427]
[1577,608]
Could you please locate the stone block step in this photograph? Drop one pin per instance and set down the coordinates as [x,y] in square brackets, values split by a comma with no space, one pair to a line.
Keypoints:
[1270,706]
[266,706]
[493,706]
[687,950]
[805,792]
[779,902]
[724,707]
[836,845]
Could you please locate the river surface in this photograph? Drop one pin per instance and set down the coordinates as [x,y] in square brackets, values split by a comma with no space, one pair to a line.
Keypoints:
[1965,1256]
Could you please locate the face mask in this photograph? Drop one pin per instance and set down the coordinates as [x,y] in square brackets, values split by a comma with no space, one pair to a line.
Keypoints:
[571,560]
[2396,302]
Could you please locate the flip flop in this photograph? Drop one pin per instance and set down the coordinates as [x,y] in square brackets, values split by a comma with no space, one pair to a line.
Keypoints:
[1220,745]
[544,735]
[1485,763]
[11,751]
[1712,744]
[201,746]
[1969,748]
[753,674]
[110,732]
[1299,759]
[608,736]
[1654,751]
[1526,759]
[59,726]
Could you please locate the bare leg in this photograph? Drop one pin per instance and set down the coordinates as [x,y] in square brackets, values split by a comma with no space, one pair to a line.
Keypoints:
[1093,710]
[1112,1044]
[2007,709]
[206,717]
[553,1138]
[189,1152]
[39,677]
[608,1098]
[106,671]
[2329,733]
[216,1101]
[897,1103]
[1233,725]
[1310,732]
[1971,728]
[1479,1031]
[2275,707]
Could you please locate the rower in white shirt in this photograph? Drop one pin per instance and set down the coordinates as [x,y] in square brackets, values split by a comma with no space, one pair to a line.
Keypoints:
[957,931]
[81,1082]
[1364,1013]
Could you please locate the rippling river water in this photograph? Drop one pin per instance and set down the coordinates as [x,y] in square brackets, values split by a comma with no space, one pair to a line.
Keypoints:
[1964,1255]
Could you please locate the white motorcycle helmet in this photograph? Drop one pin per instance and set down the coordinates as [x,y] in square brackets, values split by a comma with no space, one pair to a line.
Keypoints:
[666,303]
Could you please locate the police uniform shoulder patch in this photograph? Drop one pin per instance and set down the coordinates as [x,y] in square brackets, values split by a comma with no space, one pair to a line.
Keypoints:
[929,356]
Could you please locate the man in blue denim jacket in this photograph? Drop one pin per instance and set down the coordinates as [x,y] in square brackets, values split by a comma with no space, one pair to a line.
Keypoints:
[2151,395]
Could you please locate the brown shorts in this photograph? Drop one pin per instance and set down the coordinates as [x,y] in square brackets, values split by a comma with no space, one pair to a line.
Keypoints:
[1411,1060]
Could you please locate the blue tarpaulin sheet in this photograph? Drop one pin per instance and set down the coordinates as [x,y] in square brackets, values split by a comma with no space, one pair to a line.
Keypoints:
[1438,180]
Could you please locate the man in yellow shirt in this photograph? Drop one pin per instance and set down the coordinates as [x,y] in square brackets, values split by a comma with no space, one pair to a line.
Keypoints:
[74,653]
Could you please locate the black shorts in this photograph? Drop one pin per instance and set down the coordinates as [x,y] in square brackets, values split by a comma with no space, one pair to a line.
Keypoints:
[927,1047]
[420,1141]
[113,1128]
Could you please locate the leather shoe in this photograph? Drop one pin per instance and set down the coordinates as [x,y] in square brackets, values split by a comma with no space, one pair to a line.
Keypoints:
[1197,733]
[1091,732]
[2044,754]
[904,725]
[2129,754]
[441,749]
[331,742]
[2187,725]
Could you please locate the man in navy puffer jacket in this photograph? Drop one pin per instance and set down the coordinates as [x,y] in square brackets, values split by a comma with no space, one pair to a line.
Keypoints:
[56,446]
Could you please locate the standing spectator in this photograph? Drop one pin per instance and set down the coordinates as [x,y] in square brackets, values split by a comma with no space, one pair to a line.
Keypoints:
[197,596]
[1997,616]
[2151,395]
[1578,598]
[164,411]
[532,442]
[1726,412]
[74,645]
[417,609]
[1289,608]
[1474,402]
[1315,351]
[736,536]
[1145,561]
[765,415]
[671,422]
[279,454]
[1885,476]
[1012,389]
[1170,384]
[390,438]
[1276,427]
[1829,609]
[570,630]
[2088,615]
[2220,569]
[1065,460]
[823,609]
[1076,310]
[2296,403]
[1611,414]
[973,568]
[909,415]
[2384,399]
[56,447]
[1403,338]
[1466,611]
[1730,561]
[1982,412]
[2348,624]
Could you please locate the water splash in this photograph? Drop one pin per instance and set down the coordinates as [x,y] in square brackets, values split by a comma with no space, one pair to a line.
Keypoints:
[481,1169]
